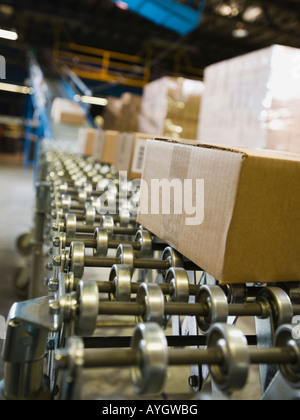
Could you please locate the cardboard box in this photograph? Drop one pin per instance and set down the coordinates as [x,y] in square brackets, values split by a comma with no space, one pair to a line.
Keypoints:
[64,111]
[253,101]
[171,107]
[124,150]
[130,153]
[86,141]
[121,114]
[137,161]
[109,147]
[240,220]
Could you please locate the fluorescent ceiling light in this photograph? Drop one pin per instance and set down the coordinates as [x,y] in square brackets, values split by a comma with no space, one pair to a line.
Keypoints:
[11,35]
[7,87]
[230,9]
[91,100]
[224,10]
[122,5]
[240,31]
[252,13]
[6,10]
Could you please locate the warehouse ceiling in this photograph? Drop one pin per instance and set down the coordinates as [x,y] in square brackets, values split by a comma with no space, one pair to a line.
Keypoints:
[101,23]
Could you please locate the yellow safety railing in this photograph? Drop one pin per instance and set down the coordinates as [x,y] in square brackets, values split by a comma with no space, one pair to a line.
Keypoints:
[113,67]
[104,66]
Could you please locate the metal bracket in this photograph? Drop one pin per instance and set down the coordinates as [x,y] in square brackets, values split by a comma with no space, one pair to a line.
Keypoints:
[28,326]
[280,390]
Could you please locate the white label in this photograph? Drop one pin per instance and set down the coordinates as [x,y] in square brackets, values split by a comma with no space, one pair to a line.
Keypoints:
[139,156]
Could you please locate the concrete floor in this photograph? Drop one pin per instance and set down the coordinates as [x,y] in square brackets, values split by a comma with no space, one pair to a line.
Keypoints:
[16,217]
[16,204]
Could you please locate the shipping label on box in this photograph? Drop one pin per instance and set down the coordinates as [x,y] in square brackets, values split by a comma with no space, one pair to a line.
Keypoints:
[138,157]
[249,200]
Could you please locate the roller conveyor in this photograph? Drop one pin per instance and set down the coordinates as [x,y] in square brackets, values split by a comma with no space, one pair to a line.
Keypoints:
[109,272]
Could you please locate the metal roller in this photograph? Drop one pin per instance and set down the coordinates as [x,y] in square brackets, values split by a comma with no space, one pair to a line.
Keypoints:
[88,300]
[144,240]
[101,237]
[287,337]
[278,304]
[173,258]
[126,255]
[66,201]
[232,374]
[150,373]
[151,296]
[107,222]
[124,217]
[70,225]
[120,276]
[77,257]
[180,285]
[90,215]
[216,301]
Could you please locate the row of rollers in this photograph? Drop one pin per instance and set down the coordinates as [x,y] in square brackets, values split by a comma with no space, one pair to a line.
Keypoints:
[214,304]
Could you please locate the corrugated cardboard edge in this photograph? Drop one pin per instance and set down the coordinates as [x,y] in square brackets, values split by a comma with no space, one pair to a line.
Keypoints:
[194,143]
[245,151]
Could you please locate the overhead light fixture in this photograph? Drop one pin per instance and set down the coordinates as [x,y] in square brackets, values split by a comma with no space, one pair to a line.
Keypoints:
[252,13]
[229,9]
[91,100]
[10,35]
[224,10]
[6,10]
[122,5]
[8,87]
[240,31]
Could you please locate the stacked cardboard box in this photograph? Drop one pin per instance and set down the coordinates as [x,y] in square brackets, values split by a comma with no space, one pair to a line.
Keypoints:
[109,147]
[232,211]
[121,114]
[65,111]
[86,140]
[254,101]
[171,107]
[98,143]
[130,154]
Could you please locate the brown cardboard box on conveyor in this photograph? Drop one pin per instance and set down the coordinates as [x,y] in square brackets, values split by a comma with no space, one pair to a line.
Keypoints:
[65,111]
[232,211]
